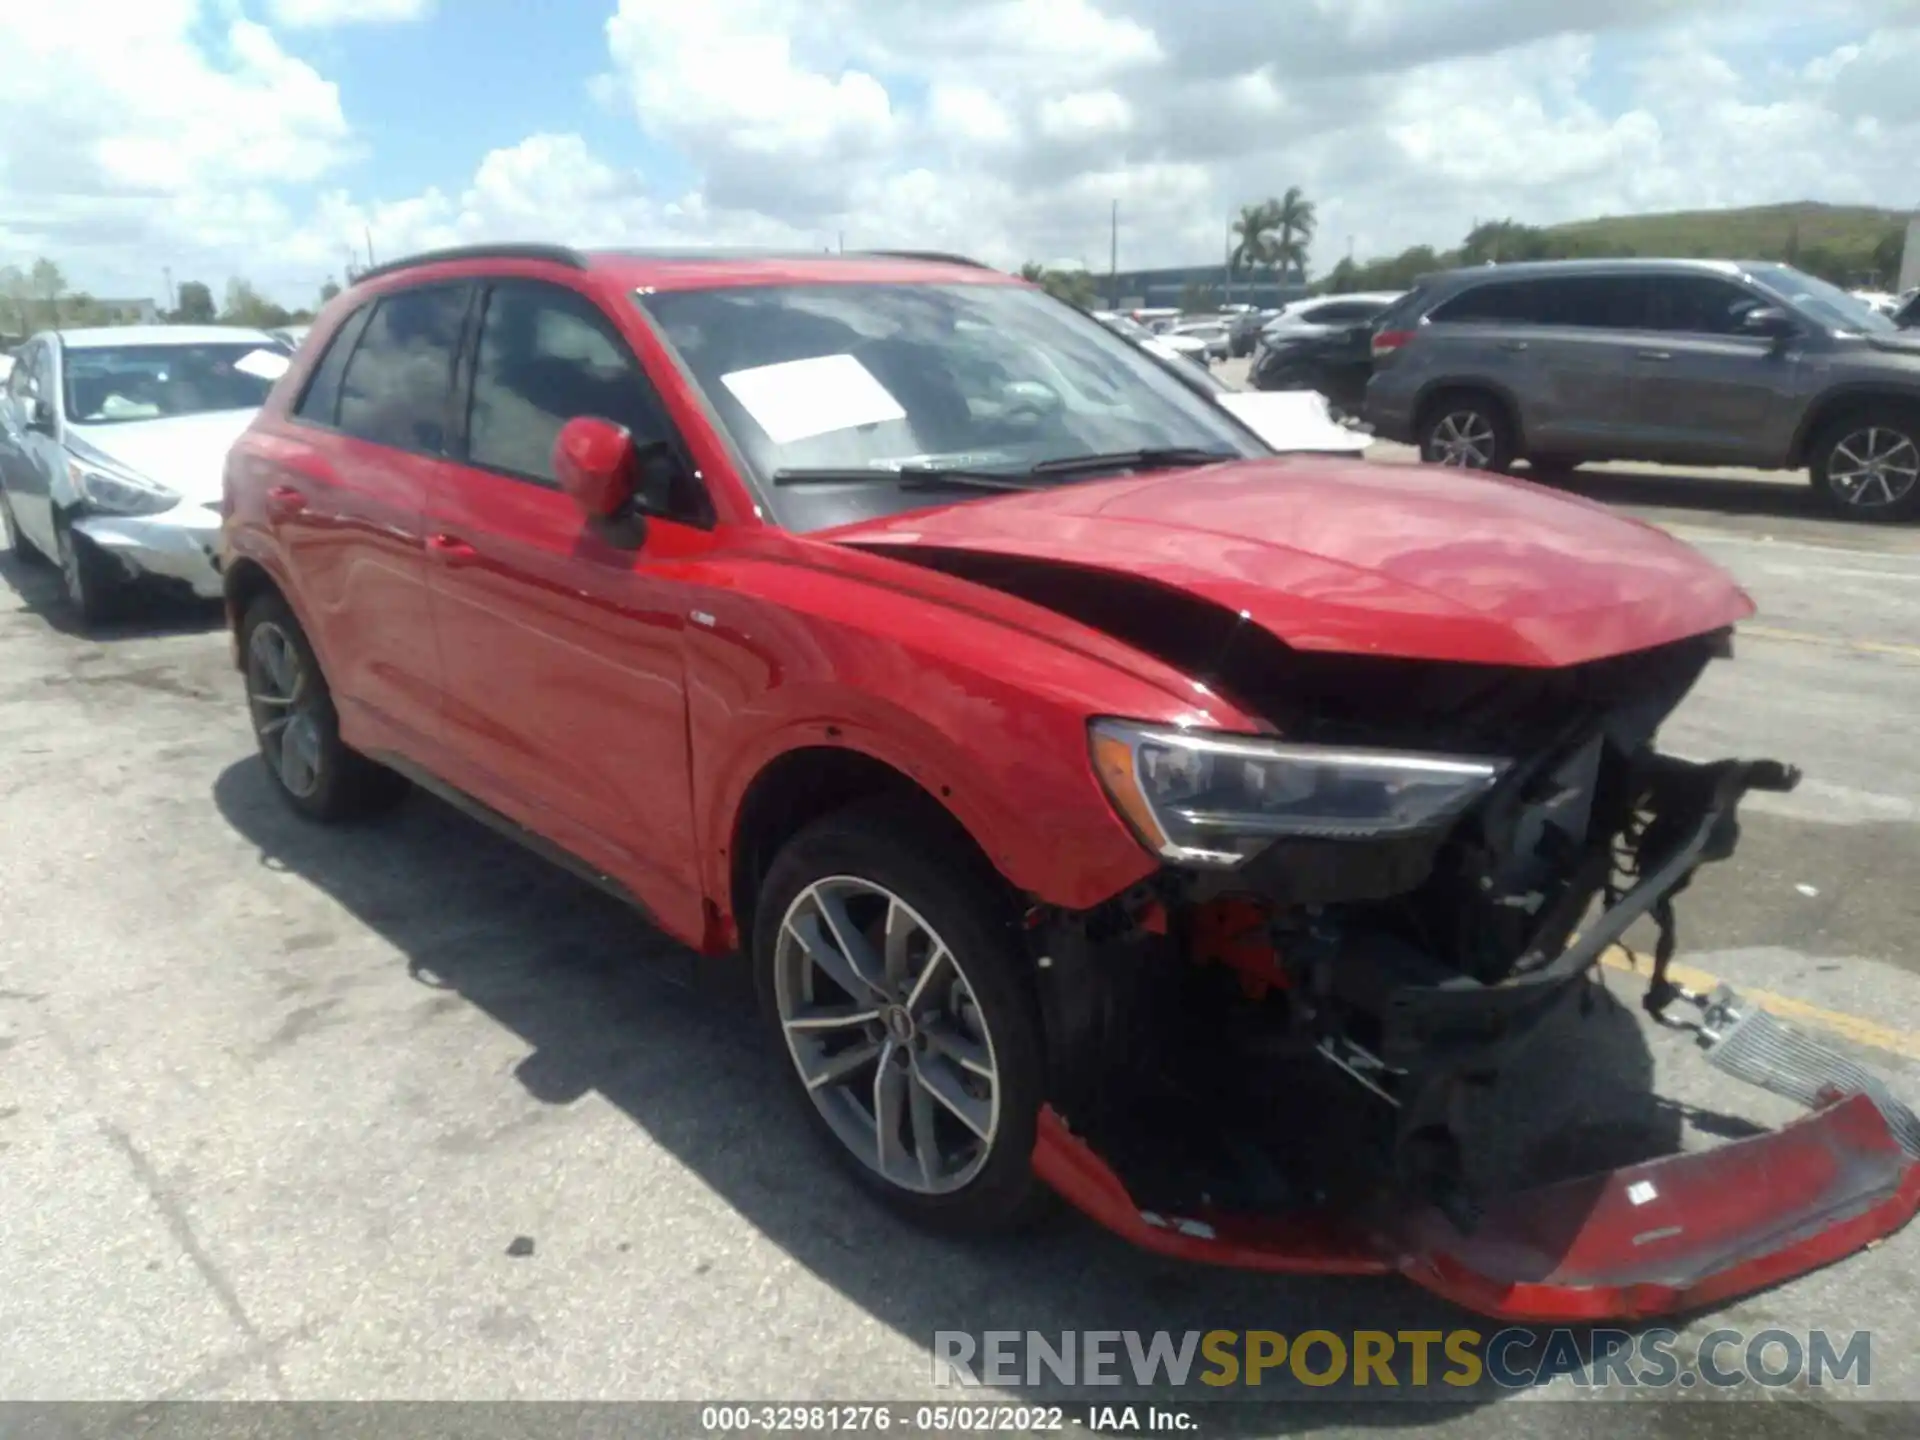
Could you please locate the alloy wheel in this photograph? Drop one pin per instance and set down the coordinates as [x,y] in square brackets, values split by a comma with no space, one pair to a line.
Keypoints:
[887,1035]
[1874,467]
[1463,439]
[282,702]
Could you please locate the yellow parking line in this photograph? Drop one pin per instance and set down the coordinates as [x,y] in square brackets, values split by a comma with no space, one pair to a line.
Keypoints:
[1796,637]
[1851,1027]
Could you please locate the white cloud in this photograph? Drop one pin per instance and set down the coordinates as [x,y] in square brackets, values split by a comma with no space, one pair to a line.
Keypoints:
[321,14]
[1005,128]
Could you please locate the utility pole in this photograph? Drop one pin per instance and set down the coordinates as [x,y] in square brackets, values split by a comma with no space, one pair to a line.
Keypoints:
[1113,260]
[1226,263]
[843,242]
[369,247]
[172,305]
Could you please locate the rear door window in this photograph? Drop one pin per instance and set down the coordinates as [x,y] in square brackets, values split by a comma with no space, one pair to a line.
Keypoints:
[1497,302]
[1591,302]
[398,385]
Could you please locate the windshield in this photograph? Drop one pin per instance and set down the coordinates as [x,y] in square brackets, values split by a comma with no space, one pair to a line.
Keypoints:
[874,378]
[1829,305]
[150,382]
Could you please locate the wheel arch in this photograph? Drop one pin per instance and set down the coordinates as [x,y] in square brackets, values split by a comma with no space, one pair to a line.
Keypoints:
[1837,405]
[1431,394]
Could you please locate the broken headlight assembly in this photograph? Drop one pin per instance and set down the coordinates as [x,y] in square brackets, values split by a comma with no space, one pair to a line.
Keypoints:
[1209,799]
[116,491]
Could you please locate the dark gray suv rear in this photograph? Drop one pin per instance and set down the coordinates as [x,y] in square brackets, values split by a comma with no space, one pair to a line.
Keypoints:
[1685,362]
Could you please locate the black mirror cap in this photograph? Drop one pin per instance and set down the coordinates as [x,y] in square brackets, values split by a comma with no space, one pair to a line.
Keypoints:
[1769,320]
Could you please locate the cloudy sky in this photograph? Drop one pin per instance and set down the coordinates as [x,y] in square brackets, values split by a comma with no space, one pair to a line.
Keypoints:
[265,137]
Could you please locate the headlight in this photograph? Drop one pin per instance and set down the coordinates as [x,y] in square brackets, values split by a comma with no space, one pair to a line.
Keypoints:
[1216,800]
[119,492]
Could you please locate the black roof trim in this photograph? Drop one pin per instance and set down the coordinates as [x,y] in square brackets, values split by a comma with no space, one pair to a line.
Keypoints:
[552,254]
[939,257]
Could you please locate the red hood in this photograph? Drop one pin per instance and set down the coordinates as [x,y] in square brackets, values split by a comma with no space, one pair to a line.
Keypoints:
[1370,559]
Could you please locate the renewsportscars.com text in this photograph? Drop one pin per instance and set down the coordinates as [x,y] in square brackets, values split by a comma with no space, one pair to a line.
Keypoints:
[1514,1358]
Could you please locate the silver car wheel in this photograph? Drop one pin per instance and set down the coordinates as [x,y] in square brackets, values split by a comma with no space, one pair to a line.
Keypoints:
[1463,439]
[281,701]
[887,1035]
[1874,467]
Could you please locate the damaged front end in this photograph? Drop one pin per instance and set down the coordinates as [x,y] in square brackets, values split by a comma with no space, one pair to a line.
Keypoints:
[1280,1051]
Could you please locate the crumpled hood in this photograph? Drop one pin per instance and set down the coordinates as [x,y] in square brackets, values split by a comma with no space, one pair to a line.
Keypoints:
[185,453]
[1331,555]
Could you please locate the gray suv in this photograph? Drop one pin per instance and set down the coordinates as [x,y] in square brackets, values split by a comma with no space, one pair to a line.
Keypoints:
[1683,362]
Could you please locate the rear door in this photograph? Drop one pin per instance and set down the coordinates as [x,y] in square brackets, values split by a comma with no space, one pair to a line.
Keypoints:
[1708,392]
[347,507]
[31,455]
[563,640]
[1560,346]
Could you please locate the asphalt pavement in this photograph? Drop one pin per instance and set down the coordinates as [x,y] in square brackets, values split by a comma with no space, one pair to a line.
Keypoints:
[401,1112]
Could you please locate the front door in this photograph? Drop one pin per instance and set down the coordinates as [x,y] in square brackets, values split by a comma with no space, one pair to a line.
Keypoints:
[31,455]
[561,642]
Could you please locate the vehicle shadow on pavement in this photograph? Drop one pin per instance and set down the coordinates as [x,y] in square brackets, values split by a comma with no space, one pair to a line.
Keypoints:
[1706,493]
[149,609]
[607,1005]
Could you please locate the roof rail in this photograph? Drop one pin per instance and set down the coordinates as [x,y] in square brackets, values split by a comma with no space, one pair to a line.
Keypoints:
[552,254]
[936,256]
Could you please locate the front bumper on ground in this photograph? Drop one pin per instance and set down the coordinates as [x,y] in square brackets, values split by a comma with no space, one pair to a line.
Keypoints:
[180,544]
[1666,1235]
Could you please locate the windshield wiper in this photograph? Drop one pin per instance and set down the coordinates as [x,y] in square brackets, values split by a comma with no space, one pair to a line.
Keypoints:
[907,477]
[1166,457]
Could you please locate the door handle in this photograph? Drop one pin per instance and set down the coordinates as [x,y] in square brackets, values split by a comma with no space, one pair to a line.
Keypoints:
[1655,354]
[286,500]
[451,549]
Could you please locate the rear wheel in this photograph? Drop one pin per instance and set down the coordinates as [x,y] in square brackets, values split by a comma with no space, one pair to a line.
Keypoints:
[1868,465]
[1466,431]
[895,989]
[297,727]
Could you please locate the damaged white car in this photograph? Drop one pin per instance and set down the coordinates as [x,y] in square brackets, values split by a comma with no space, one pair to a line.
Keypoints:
[112,444]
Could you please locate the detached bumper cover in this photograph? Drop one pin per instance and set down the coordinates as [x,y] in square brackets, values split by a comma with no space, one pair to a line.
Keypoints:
[178,544]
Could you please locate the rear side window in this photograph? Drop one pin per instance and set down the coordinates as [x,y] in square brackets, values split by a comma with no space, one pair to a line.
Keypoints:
[1487,304]
[548,355]
[398,383]
[321,402]
[1593,302]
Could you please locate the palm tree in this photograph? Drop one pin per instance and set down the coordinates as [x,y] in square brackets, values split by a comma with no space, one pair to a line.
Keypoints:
[1253,241]
[1292,217]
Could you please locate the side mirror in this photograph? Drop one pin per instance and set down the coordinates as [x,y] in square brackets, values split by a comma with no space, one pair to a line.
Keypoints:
[1770,321]
[40,416]
[598,464]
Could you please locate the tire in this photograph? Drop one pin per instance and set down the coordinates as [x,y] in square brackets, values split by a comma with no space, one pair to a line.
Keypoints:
[22,548]
[1466,430]
[1882,448]
[871,863]
[1551,469]
[95,587]
[298,729]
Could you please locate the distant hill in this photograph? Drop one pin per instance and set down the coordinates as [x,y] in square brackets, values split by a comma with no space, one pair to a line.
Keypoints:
[1762,232]
[1850,245]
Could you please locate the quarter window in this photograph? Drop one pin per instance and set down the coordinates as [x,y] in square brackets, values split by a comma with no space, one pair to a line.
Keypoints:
[321,403]
[397,385]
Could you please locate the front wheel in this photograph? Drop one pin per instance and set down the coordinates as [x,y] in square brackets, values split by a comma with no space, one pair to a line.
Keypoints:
[892,979]
[1467,432]
[1868,466]
[95,586]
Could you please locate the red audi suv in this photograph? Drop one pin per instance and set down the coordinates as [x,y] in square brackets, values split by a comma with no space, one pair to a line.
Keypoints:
[1065,763]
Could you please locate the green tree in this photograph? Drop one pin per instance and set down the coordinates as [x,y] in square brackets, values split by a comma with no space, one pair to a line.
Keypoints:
[195,306]
[1887,255]
[247,306]
[1343,279]
[1076,287]
[16,297]
[1292,221]
[328,292]
[1200,297]
[1506,240]
[49,285]
[1253,239]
